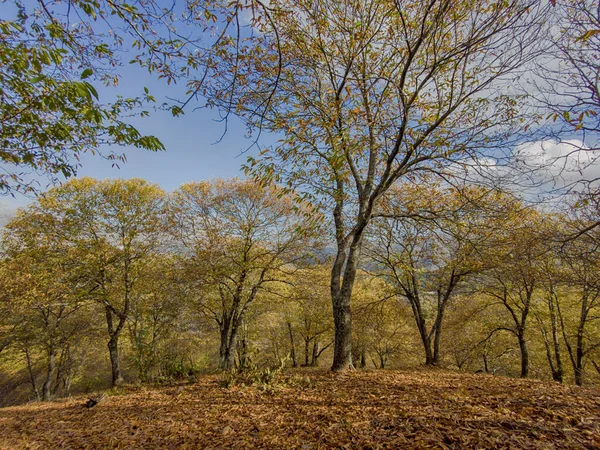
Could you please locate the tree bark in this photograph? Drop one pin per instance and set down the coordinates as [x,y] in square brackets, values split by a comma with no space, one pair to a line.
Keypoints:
[580,351]
[341,294]
[412,295]
[51,371]
[113,345]
[242,351]
[115,360]
[424,335]
[292,346]
[557,374]
[228,342]
[342,318]
[524,354]
[436,344]
[363,358]
[578,367]
[306,350]
[314,360]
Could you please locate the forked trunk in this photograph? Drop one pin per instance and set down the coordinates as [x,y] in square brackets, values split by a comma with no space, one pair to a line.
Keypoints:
[342,319]
[226,351]
[51,372]
[341,293]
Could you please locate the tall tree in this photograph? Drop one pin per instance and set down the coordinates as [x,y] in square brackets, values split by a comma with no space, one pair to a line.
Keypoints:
[368,93]
[426,244]
[45,296]
[240,239]
[515,276]
[117,225]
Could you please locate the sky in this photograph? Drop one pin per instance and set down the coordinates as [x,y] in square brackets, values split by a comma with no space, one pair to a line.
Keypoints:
[193,150]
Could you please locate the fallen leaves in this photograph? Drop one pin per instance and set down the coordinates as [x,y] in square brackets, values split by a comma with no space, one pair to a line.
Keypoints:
[370,409]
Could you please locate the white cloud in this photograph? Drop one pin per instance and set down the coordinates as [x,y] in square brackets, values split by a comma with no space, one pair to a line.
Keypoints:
[484,170]
[561,163]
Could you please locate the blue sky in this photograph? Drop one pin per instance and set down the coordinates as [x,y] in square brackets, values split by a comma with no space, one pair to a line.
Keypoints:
[192,151]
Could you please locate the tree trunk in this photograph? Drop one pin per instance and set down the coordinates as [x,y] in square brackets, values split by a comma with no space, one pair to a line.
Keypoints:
[415,304]
[524,354]
[426,340]
[437,335]
[292,346]
[557,373]
[314,360]
[342,319]
[382,360]
[578,375]
[306,350]
[114,332]
[242,350]
[115,360]
[228,342]
[51,371]
[578,369]
[346,262]
[576,356]
[579,351]
[31,374]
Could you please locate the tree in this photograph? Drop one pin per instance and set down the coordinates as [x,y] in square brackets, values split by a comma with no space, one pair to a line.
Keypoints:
[426,244]
[117,226]
[240,239]
[381,324]
[45,297]
[570,88]
[310,315]
[366,94]
[516,274]
[582,286]
[157,314]
[566,93]
[552,280]
[52,52]
[49,110]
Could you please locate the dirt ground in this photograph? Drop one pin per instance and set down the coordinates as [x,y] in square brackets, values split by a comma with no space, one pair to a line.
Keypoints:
[319,410]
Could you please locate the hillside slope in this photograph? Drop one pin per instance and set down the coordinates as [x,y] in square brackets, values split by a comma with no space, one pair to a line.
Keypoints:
[312,410]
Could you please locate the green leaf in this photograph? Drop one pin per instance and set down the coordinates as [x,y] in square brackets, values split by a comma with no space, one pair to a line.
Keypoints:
[86,73]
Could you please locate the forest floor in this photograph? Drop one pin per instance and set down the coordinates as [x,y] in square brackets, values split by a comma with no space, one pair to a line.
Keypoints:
[312,410]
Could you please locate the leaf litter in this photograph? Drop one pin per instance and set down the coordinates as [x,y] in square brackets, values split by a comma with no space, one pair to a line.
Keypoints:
[313,410]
